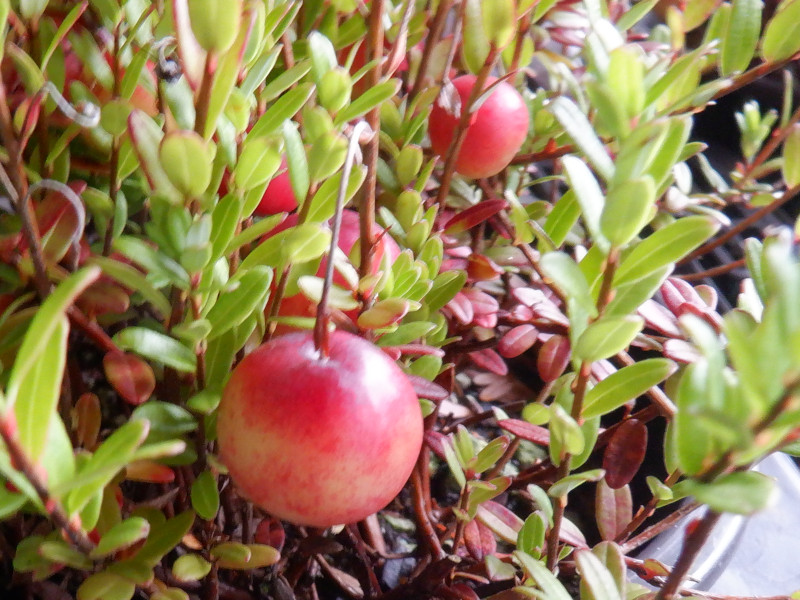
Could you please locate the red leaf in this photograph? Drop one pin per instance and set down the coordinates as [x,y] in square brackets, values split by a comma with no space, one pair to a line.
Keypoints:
[467,219]
[427,389]
[490,360]
[659,318]
[676,291]
[526,431]
[436,442]
[461,308]
[553,358]
[149,471]
[625,452]
[479,540]
[270,532]
[131,376]
[481,268]
[517,340]
[103,297]
[613,509]
[681,351]
[87,417]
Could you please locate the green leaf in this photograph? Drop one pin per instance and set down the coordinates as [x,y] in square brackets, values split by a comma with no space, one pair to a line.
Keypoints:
[36,394]
[499,21]
[595,578]
[190,567]
[607,336]
[445,287]
[626,384]
[368,100]
[296,160]
[553,589]
[490,454]
[742,493]
[284,108]
[165,418]
[133,278]
[782,35]
[112,455]
[664,247]
[306,242]
[634,14]
[568,277]
[215,23]
[259,160]
[629,206]
[323,204]
[454,464]
[205,495]
[156,263]
[225,74]
[625,79]
[185,159]
[120,536]
[475,48]
[629,296]
[246,293]
[146,137]
[741,36]
[791,156]
[59,552]
[157,346]
[562,218]
[532,535]
[164,537]
[326,155]
[588,193]
[564,486]
[582,133]
[106,586]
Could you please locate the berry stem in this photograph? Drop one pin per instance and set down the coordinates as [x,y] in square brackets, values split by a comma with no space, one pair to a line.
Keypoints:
[367,212]
[460,132]
[323,314]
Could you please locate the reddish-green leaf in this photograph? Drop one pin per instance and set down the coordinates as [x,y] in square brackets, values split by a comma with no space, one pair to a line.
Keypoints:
[472,216]
[553,358]
[613,509]
[132,377]
[517,340]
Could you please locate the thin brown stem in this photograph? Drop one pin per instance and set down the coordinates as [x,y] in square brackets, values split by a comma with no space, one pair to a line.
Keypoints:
[367,212]
[434,33]
[421,514]
[663,525]
[460,131]
[743,224]
[204,95]
[646,511]
[714,271]
[55,511]
[753,74]
[692,545]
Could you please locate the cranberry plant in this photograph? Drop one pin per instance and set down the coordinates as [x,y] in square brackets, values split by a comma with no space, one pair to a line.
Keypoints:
[507,197]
